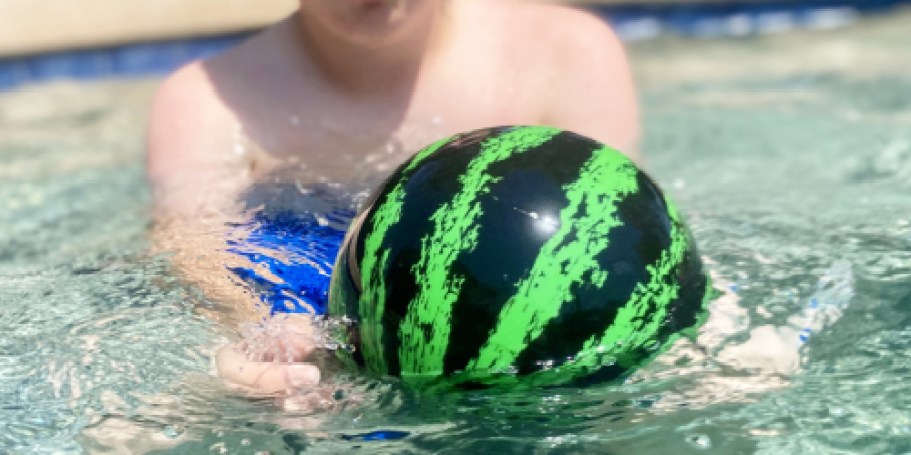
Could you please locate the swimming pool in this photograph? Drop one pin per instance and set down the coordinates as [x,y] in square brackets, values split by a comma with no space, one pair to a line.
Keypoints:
[790,155]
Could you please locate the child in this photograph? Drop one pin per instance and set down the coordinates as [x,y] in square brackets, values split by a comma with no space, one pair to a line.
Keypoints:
[347,89]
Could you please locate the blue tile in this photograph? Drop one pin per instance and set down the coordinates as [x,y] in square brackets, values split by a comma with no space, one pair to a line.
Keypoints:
[93,64]
[14,72]
[53,66]
[129,60]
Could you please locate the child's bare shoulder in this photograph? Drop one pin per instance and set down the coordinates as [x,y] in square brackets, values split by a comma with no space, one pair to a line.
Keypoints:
[186,90]
[192,88]
[587,80]
[190,115]
[188,123]
[549,26]
[196,88]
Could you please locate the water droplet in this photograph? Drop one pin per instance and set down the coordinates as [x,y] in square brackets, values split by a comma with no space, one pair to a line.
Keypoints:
[700,441]
[173,431]
[239,148]
[303,189]
[679,184]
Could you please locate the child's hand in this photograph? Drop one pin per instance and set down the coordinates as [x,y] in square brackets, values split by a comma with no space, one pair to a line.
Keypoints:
[264,378]
[273,361]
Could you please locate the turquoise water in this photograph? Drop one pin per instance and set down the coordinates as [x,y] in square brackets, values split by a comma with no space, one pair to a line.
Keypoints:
[790,156]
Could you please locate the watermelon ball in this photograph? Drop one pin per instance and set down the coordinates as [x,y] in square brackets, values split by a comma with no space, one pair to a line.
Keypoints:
[515,255]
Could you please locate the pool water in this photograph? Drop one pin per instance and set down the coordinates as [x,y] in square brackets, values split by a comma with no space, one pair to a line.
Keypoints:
[790,156]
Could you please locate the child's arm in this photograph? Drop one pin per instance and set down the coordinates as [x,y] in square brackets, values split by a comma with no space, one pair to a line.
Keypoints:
[197,166]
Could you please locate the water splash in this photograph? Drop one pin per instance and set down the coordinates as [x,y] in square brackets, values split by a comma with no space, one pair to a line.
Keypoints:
[290,337]
[833,294]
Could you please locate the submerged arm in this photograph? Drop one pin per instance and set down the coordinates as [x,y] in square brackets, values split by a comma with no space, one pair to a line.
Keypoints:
[197,170]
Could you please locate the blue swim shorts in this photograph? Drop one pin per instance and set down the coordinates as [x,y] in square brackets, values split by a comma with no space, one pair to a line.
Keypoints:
[292,255]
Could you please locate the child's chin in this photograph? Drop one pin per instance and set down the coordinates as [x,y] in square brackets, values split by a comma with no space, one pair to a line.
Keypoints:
[375,37]
[382,23]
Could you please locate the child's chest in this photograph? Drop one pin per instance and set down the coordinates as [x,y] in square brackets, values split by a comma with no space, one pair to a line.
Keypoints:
[340,138]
